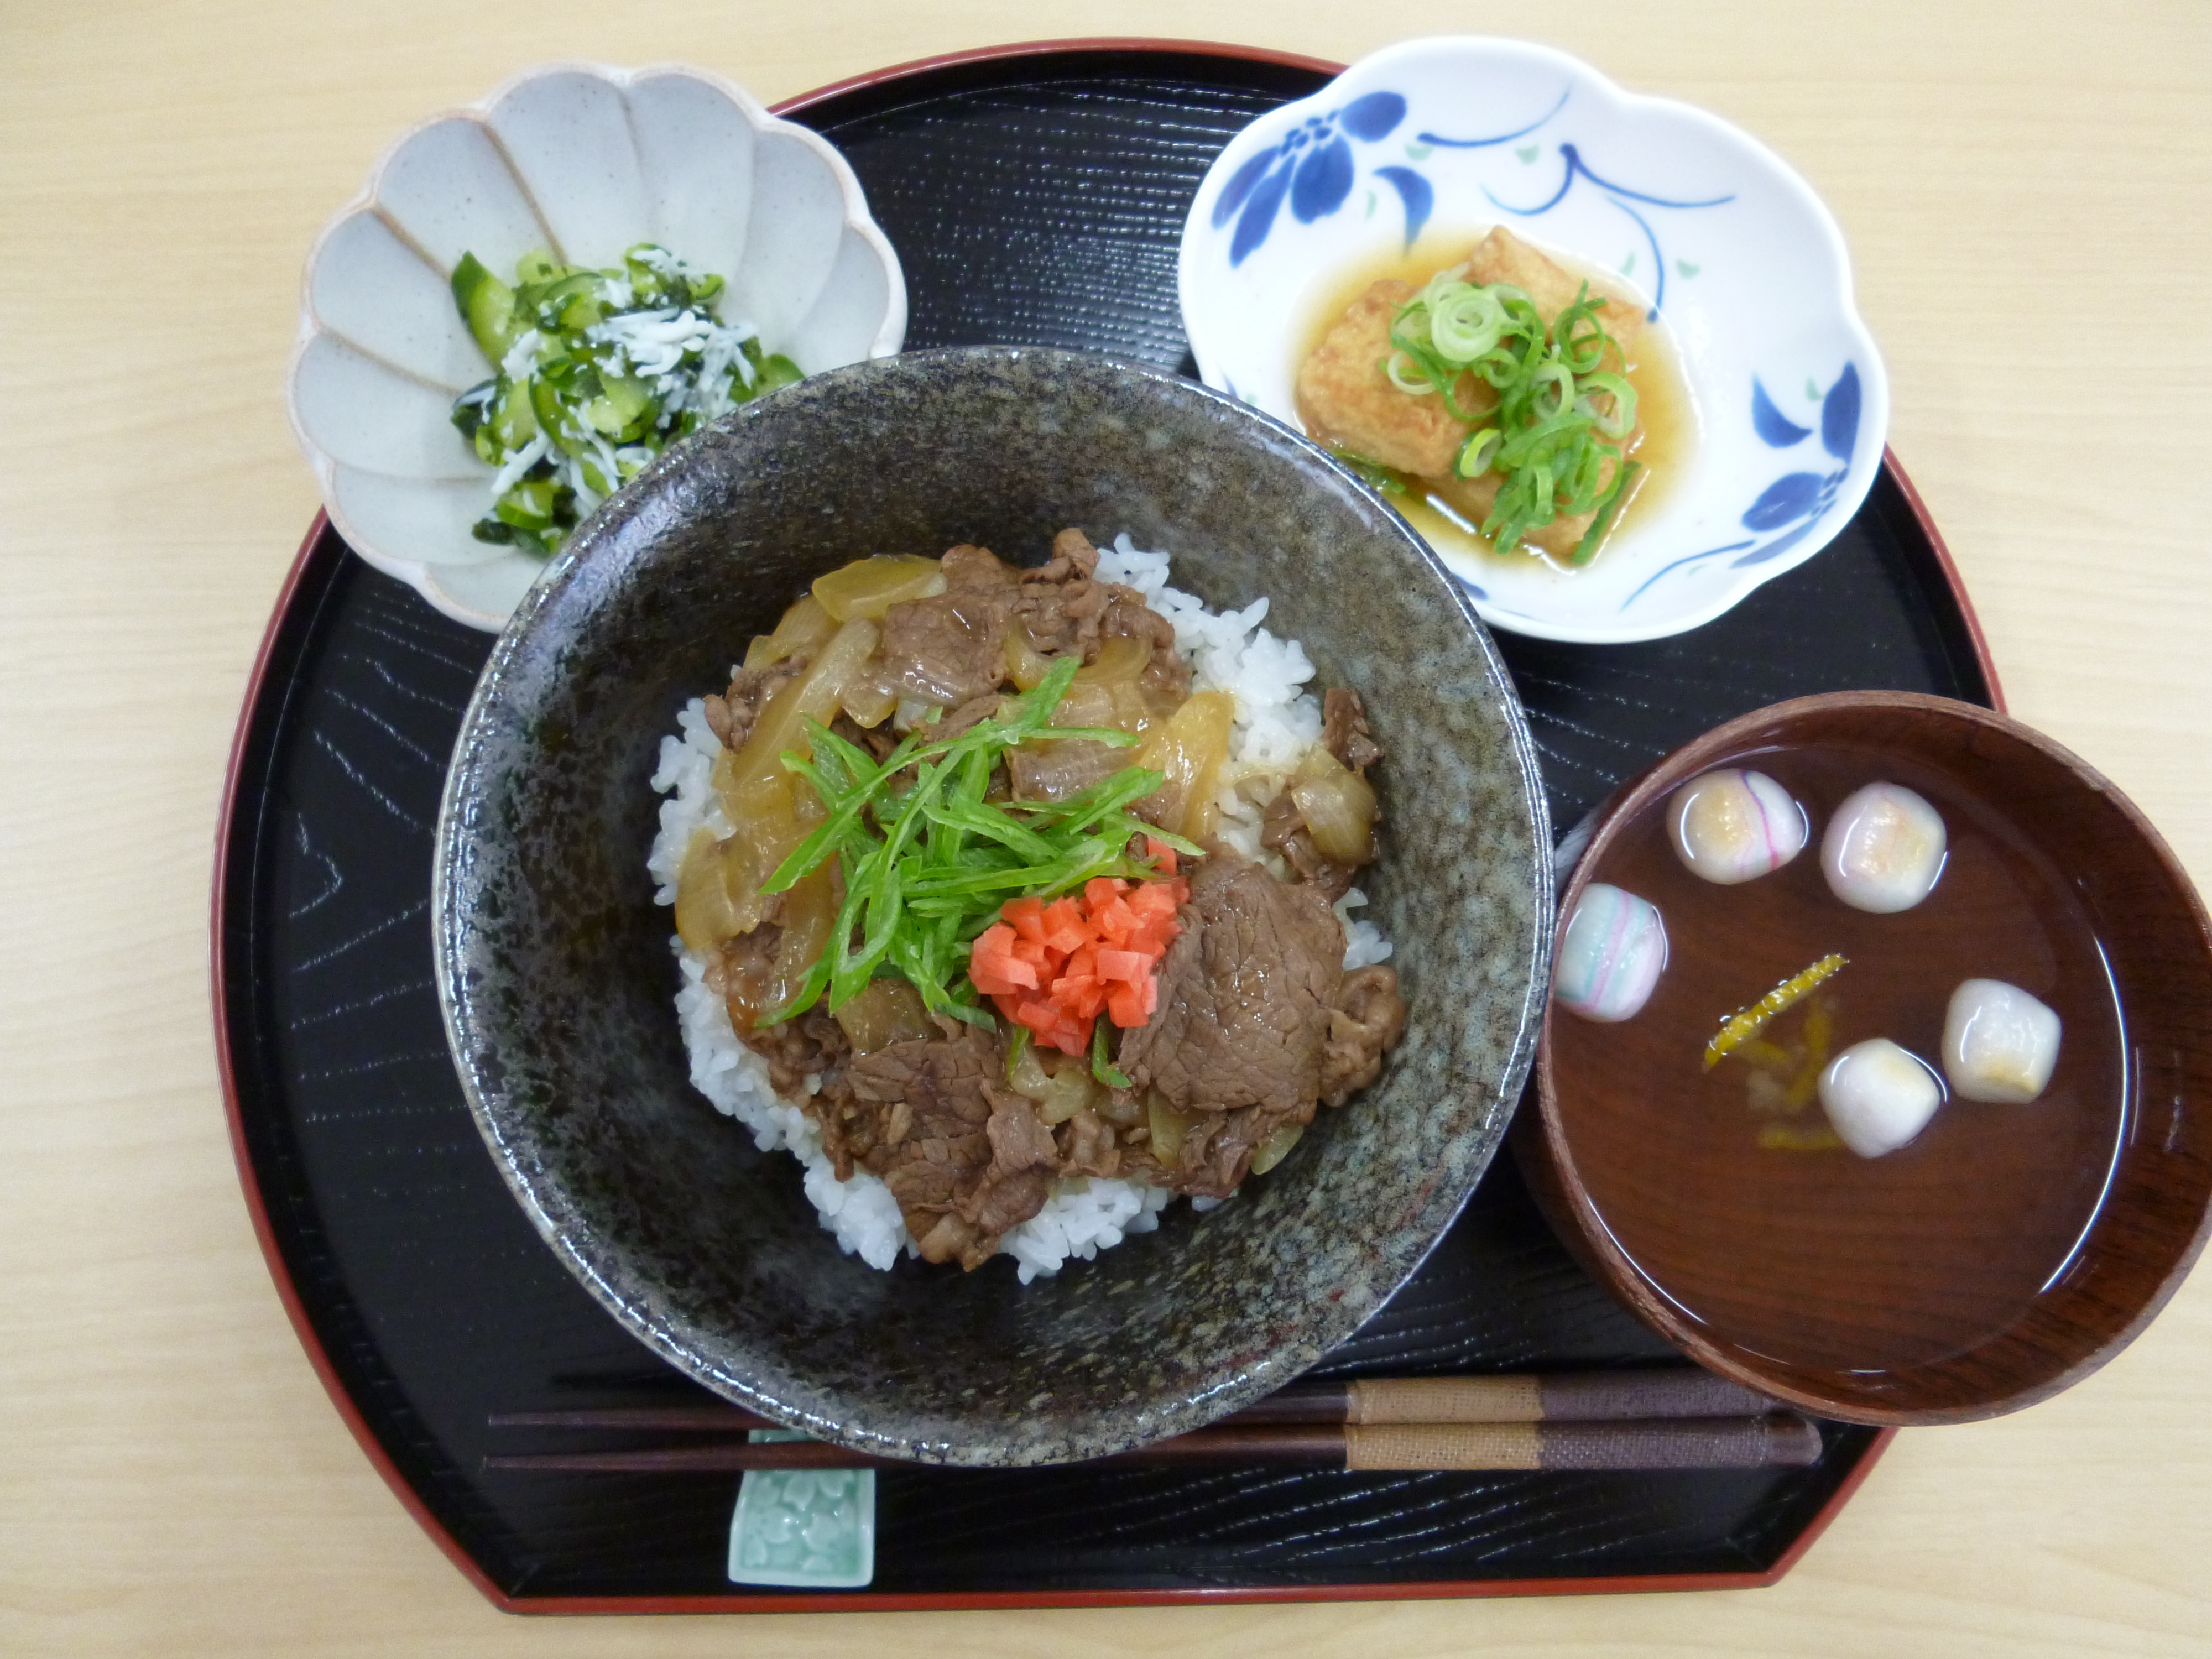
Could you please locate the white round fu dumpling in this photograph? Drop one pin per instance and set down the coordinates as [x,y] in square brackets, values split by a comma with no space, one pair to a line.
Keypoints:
[1611,954]
[2000,1044]
[1884,849]
[1878,1096]
[1732,825]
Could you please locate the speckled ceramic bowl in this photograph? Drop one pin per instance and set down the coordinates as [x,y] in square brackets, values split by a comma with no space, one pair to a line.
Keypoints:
[557,980]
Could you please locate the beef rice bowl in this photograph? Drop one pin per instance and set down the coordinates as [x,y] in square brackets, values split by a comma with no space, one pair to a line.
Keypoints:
[557,977]
[1081,938]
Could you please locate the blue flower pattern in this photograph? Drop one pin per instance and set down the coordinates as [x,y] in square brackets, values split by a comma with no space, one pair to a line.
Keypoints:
[1313,168]
[1794,503]
[1312,165]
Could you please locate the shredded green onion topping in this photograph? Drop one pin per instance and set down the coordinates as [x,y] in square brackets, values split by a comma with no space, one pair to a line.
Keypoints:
[1101,1067]
[598,372]
[1555,434]
[928,860]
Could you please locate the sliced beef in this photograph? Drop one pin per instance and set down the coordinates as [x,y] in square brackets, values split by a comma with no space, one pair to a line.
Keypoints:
[976,566]
[1058,618]
[1064,608]
[876,740]
[731,716]
[848,1130]
[795,1052]
[1167,675]
[965,1157]
[1217,1151]
[947,650]
[1365,1019]
[1217,1154]
[1257,1024]
[1345,734]
[1283,827]
[1245,992]
[1088,1148]
[1024,1158]
[1073,558]
[968,716]
[807,1054]
[941,1083]
[952,648]
[1344,731]
[1080,615]
[745,962]
[743,971]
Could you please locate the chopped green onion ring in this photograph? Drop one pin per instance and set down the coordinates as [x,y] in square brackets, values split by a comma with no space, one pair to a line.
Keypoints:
[1101,1066]
[1621,421]
[1479,450]
[1555,420]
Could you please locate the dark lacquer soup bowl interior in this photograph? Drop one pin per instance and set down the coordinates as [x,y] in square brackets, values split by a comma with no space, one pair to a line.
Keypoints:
[2008,1247]
[558,980]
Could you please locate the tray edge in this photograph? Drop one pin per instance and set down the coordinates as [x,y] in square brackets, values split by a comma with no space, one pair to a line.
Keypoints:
[410,1500]
[272,1255]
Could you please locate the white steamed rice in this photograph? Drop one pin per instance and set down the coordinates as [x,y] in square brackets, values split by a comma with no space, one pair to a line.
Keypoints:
[1277,721]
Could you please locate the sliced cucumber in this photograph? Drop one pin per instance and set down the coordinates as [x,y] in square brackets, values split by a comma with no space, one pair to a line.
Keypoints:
[776,370]
[473,407]
[537,266]
[528,505]
[570,304]
[593,394]
[621,409]
[513,424]
[554,419]
[487,307]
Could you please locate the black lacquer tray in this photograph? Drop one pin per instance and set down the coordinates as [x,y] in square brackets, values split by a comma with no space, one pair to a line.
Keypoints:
[1034,196]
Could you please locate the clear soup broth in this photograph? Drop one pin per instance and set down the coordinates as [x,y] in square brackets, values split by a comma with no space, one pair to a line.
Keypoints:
[1742,1211]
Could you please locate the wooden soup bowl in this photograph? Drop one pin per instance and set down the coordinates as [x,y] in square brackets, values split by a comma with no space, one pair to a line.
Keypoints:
[2007,1251]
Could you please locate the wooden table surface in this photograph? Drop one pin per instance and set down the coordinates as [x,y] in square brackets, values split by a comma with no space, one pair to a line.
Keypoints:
[2024,191]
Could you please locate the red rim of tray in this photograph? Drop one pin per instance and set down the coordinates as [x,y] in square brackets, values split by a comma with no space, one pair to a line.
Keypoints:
[296,1309]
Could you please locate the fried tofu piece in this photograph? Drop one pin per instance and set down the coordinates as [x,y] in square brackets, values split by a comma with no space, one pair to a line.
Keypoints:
[1347,401]
[1472,498]
[1502,257]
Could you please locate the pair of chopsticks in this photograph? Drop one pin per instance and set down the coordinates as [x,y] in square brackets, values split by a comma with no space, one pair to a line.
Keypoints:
[1671,1418]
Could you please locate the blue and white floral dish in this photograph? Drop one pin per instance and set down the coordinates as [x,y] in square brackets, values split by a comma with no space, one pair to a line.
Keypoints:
[1735,259]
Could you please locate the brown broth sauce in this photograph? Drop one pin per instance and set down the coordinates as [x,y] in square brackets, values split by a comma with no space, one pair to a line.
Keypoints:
[1663,400]
[1803,1255]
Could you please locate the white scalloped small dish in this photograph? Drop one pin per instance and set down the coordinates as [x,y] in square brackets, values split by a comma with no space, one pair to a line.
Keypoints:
[586,161]
[1738,262]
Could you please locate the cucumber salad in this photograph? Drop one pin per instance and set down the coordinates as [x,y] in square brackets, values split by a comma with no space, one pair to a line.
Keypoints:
[598,372]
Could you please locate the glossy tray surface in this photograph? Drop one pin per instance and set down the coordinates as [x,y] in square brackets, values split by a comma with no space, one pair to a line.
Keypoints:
[1035,198]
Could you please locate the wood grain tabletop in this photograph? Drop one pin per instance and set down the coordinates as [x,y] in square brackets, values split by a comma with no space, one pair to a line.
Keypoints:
[2024,189]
